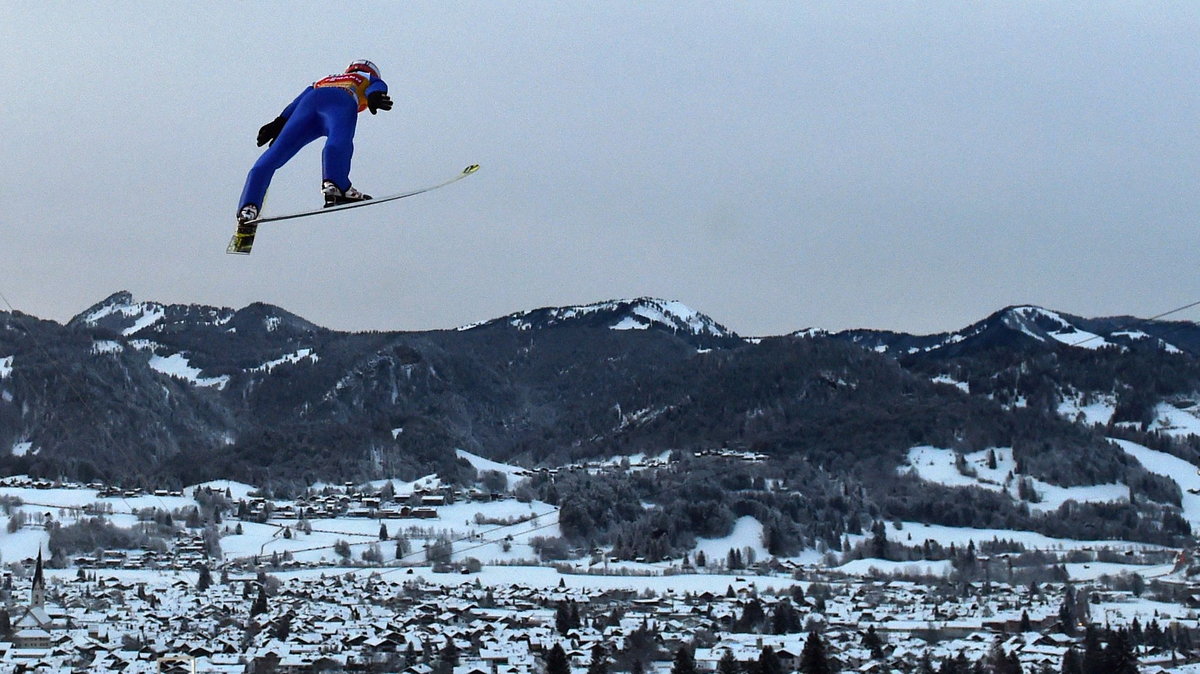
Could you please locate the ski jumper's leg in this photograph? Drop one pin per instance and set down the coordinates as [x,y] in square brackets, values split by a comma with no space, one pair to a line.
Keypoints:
[340,116]
[302,128]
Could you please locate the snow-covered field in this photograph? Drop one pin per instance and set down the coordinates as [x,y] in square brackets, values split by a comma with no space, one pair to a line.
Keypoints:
[1176,421]
[1098,411]
[747,533]
[915,533]
[512,474]
[501,533]
[177,365]
[1183,473]
[938,465]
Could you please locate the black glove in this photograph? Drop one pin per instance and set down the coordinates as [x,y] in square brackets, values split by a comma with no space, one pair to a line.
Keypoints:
[270,131]
[377,100]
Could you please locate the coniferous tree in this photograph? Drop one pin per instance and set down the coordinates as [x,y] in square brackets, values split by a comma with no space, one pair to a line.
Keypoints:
[768,662]
[785,619]
[599,663]
[640,644]
[879,540]
[282,627]
[1119,657]
[556,661]
[997,657]
[1071,662]
[448,657]
[683,663]
[812,658]
[260,603]
[727,664]
[1093,655]
[205,579]
[1067,618]
[1013,664]
[562,618]
[873,643]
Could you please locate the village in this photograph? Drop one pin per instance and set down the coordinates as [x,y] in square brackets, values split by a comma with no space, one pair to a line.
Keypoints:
[414,621]
[320,583]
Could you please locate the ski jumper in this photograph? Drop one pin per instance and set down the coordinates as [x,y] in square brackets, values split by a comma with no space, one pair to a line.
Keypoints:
[328,108]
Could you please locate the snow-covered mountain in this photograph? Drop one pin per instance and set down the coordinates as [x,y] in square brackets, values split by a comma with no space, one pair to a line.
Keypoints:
[120,313]
[643,313]
[133,391]
[1034,328]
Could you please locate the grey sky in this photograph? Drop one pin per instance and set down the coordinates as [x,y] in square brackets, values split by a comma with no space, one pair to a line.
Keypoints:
[776,165]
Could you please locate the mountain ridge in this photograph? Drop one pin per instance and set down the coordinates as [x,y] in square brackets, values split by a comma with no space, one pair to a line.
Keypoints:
[143,392]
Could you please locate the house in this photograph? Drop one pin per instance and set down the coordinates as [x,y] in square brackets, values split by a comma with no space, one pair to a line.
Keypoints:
[31,637]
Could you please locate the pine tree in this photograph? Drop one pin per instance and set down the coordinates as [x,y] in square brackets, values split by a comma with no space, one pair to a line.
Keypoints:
[784,619]
[1071,662]
[205,579]
[999,661]
[727,665]
[873,643]
[768,662]
[1066,612]
[260,604]
[449,654]
[684,663]
[879,540]
[1119,657]
[599,663]
[812,658]
[752,616]
[562,618]
[1093,656]
[282,627]
[556,661]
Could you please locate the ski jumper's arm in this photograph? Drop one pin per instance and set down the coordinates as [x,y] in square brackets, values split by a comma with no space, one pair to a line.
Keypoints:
[376,96]
[376,85]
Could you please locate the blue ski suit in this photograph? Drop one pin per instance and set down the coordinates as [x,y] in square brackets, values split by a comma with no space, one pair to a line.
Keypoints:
[328,108]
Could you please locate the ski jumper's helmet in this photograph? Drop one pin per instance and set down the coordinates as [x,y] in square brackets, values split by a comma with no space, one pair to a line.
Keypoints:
[363,66]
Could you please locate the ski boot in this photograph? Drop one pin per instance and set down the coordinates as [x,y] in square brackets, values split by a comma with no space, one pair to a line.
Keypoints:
[334,196]
[243,238]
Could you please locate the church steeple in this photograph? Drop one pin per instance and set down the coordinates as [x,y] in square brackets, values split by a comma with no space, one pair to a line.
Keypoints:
[38,598]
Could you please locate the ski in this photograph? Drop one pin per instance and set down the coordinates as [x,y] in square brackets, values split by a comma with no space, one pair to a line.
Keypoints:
[243,239]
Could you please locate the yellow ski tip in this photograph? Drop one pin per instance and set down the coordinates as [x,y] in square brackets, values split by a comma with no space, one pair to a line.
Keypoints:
[238,245]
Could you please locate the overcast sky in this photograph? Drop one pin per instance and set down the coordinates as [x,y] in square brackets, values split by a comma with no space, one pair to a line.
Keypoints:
[776,165]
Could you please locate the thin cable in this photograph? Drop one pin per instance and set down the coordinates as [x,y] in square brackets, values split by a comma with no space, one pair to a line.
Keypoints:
[1152,318]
